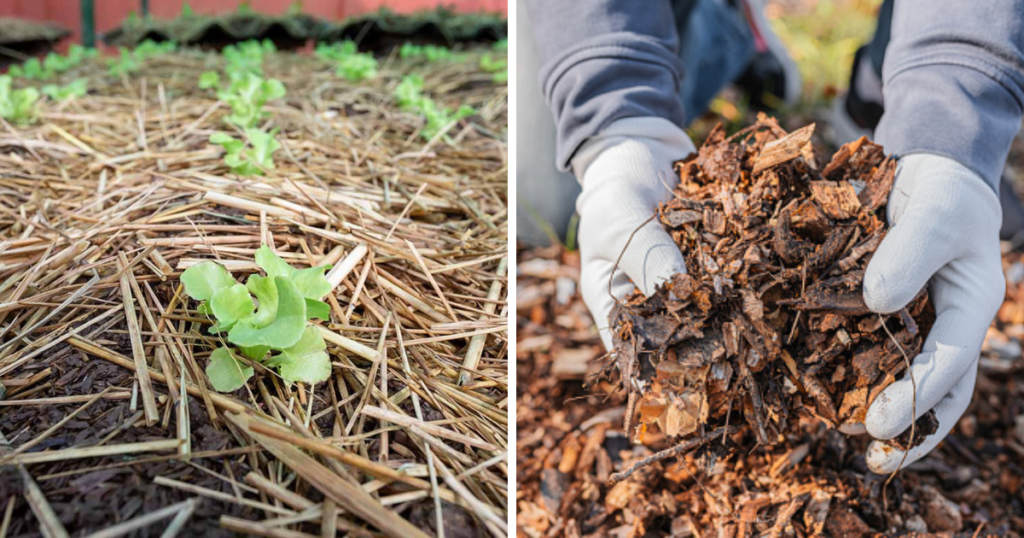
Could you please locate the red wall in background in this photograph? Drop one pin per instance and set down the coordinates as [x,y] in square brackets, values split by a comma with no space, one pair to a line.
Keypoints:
[110,13]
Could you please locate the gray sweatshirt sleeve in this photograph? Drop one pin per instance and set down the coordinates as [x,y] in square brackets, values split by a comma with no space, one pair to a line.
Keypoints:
[953,81]
[605,60]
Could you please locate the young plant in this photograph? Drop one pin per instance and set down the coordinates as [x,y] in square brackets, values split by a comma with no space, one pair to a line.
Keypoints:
[267,315]
[246,96]
[54,64]
[250,157]
[409,91]
[440,118]
[349,63]
[246,57]
[130,61]
[409,94]
[124,64]
[432,53]
[497,66]
[357,67]
[208,80]
[336,51]
[17,106]
[149,48]
[75,88]
[32,69]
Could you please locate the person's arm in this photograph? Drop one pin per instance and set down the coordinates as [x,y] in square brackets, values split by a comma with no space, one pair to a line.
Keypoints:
[954,98]
[612,78]
[953,80]
[605,60]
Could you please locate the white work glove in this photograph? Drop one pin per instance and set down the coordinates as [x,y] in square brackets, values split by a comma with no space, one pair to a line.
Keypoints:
[626,171]
[945,233]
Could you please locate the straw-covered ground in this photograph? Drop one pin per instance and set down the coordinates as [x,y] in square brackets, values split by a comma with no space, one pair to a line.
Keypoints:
[107,417]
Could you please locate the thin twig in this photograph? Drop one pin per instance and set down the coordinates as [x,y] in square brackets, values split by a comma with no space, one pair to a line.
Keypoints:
[913,414]
[681,448]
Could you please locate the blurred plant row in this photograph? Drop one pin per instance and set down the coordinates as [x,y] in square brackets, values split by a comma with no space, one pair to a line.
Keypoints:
[241,84]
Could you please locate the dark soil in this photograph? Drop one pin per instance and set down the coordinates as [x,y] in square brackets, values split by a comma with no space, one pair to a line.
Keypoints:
[95,493]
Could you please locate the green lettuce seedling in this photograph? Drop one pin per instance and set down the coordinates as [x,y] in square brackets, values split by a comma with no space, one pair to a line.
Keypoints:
[251,157]
[241,62]
[432,53]
[497,66]
[246,96]
[130,61]
[75,88]
[31,69]
[246,57]
[54,63]
[336,51]
[125,63]
[77,54]
[17,106]
[439,118]
[268,315]
[149,48]
[350,64]
[409,94]
[357,67]
[209,80]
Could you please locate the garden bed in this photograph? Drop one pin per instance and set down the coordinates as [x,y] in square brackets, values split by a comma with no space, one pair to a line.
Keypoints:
[106,198]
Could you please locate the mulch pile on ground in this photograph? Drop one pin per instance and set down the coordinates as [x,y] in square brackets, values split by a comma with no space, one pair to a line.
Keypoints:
[571,441]
[770,320]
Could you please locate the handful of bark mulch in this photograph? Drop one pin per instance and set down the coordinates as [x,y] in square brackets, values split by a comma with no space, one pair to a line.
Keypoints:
[770,321]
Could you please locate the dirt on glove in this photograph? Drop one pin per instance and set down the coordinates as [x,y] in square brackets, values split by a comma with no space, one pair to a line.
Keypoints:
[769,324]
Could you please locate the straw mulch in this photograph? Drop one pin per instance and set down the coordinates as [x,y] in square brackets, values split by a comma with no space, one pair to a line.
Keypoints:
[108,198]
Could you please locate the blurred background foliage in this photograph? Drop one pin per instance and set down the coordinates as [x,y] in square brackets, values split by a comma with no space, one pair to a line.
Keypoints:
[822,37]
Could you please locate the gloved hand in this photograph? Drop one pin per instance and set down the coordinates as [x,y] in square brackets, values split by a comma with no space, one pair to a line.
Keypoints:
[945,234]
[626,171]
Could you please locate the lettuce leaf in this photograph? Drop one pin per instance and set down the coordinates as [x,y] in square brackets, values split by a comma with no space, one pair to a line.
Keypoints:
[230,305]
[307,361]
[226,373]
[205,279]
[287,325]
